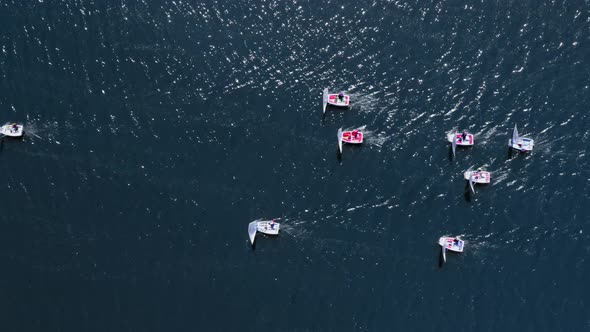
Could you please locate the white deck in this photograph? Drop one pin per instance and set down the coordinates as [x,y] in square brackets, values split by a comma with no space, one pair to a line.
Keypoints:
[522,144]
[478,176]
[8,130]
[451,243]
[269,227]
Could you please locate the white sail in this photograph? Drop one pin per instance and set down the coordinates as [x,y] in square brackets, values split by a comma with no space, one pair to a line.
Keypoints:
[515,136]
[325,99]
[471,182]
[454,144]
[252,228]
[340,140]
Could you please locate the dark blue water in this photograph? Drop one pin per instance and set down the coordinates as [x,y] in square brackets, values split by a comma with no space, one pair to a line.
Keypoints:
[157,130]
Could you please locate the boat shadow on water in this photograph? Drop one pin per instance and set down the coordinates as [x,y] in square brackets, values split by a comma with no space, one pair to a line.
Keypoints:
[467,192]
[512,153]
[455,259]
[3,138]
[11,138]
[264,236]
[339,155]
[350,148]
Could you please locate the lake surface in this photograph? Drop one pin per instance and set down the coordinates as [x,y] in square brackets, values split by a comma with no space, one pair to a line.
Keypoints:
[157,130]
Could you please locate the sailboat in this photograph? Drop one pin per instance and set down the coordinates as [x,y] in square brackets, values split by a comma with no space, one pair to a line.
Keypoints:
[450,243]
[352,137]
[479,176]
[11,130]
[335,99]
[460,139]
[522,144]
[268,227]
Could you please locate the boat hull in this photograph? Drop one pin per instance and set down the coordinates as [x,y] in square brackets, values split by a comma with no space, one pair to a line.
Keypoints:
[347,137]
[468,141]
[335,101]
[522,144]
[268,227]
[7,130]
[451,243]
[481,177]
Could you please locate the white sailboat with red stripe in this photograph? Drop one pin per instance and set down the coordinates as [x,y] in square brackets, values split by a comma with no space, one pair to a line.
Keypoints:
[352,137]
[335,99]
[450,243]
[461,139]
[479,176]
[339,100]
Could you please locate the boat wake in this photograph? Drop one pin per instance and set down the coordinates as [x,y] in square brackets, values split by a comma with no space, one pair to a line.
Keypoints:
[32,130]
[49,132]
[370,137]
[373,138]
[295,230]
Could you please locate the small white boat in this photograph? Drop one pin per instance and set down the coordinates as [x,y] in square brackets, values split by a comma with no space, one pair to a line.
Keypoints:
[12,130]
[460,139]
[452,244]
[522,144]
[335,99]
[269,227]
[340,100]
[352,137]
[478,176]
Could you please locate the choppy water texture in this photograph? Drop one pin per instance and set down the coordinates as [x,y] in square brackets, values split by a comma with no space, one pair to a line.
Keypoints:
[158,129]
